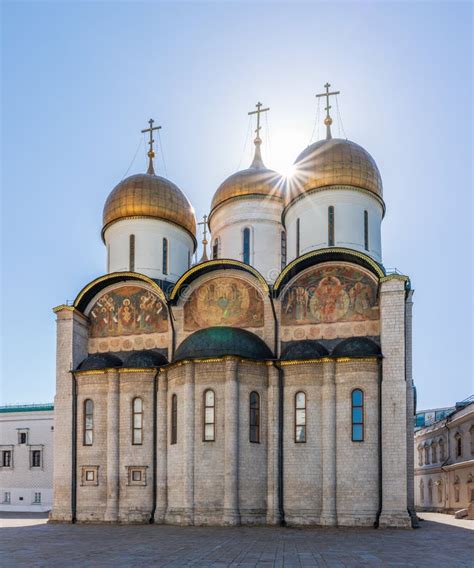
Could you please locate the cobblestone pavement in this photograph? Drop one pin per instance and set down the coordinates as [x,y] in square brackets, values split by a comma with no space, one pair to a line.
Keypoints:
[32,542]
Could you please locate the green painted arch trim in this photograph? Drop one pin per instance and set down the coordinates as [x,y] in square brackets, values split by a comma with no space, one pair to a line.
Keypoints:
[211,265]
[334,252]
[91,289]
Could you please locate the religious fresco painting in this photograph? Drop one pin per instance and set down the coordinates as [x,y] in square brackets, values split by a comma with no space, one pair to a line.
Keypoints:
[226,302]
[129,310]
[330,294]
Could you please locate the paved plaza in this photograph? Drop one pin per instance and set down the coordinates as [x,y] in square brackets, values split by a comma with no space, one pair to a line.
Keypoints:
[28,541]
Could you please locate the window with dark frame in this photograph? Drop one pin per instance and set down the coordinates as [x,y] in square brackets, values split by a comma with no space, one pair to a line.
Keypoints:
[132,253]
[215,249]
[297,237]
[90,475]
[137,421]
[88,422]
[357,415]
[331,226]
[174,419]
[7,497]
[6,458]
[300,417]
[254,423]
[283,249]
[366,230]
[23,438]
[35,458]
[165,256]
[136,474]
[246,245]
[209,434]
[37,497]
[458,446]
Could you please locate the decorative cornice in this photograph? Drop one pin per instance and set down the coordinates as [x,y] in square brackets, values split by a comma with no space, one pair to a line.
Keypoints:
[203,265]
[329,250]
[329,360]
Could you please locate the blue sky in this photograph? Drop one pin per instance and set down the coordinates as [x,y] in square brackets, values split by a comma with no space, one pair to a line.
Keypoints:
[80,80]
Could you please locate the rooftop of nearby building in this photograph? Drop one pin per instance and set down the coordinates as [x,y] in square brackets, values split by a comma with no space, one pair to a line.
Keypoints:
[43,407]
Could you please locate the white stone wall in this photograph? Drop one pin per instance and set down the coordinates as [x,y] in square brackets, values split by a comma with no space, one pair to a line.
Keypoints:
[149,235]
[263,218]
[349,206]
[437,463]
[21,480]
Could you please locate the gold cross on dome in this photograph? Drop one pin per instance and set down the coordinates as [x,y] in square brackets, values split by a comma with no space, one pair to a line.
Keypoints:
[328,119]
[151,153]
[258,112]
[204,228]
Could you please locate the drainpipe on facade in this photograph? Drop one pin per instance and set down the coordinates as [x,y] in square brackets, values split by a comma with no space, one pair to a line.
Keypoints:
[379,510]
[155,400]
[173,333]
[74,449]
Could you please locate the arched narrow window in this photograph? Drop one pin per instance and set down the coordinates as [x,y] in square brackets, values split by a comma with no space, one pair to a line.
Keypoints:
[420,455]
[283,249]
[215,248]
[458,439]
[430,491]
[441,450]
[422,490]
[165,256]
[456,489]
[366,230]
[88,422]
[132,253]
[300,417]
[434,453]
[137,421]
[189,259]
[440,491]
[357,415]
[246,245]
[297,237]
[108,257]
[174,419]
[427,455]
[331,226]
[209,416]
[254,430]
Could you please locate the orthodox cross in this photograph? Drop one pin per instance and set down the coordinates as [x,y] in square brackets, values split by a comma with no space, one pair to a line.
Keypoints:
[204,240]
[258,112]
[328,119]
[151,153]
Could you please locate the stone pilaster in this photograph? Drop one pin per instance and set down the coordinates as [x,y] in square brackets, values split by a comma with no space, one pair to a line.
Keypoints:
[394,405]
[231,449]
[410,407]
[273,511]
[328,444]
[71,349]
[188,444]
[162,448]
[113,452]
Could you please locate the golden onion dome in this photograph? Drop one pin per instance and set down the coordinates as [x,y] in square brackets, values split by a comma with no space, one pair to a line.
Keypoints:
[255,181]
[152,196]
[334,162]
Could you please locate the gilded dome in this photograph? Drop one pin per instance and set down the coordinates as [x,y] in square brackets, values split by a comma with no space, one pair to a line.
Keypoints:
[149,195]
[334,162]
[257,180]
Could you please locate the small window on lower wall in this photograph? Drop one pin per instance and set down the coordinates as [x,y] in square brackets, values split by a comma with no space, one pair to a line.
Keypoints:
[357,415]
[136,475]
[90,475]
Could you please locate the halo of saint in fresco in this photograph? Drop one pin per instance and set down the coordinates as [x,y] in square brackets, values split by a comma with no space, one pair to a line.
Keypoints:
[127,311]
[224,301]
[330,294]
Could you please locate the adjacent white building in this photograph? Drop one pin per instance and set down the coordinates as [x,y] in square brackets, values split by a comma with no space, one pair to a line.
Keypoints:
[26,457]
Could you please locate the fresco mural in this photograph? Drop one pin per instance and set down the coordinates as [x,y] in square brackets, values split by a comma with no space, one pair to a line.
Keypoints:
[329,294]
[223,301]
[129,310]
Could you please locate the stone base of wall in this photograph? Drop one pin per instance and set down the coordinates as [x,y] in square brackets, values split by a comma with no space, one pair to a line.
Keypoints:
[395,521]
[356,519]
[60,516]
[302,517]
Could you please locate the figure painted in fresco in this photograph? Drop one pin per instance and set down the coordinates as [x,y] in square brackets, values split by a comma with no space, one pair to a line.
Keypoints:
[127,311]
[223,301]
[328,294]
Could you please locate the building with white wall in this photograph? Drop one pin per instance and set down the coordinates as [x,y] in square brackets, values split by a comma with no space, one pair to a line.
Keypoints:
[444,462]
[26,457]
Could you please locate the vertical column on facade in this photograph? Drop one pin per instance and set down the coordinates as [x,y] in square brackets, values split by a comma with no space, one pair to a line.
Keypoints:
[273,511]
[410,406]
[188,443]
[113,457]
[162,448]
[328,443]
[71,348]
[394,404]
[231,449]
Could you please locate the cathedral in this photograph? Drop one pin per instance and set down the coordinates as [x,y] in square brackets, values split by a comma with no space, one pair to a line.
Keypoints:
[268,384]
